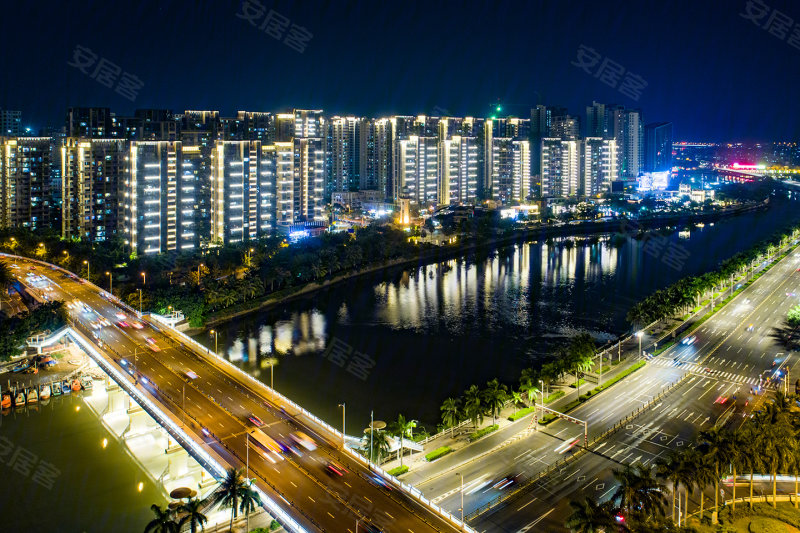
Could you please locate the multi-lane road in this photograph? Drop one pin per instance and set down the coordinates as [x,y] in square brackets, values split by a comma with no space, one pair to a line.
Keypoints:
[218,403]
[733,353]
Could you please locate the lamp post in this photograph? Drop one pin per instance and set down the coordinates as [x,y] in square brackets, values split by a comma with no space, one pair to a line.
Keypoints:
[201,265]
[88,269]
[344,409]
[640,334]
[110,284]
[462,500]
[140,300]
[541,390]
[371,430]
[215,332]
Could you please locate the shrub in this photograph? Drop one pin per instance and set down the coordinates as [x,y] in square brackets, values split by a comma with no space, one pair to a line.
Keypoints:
[400,470]
[483,432]
[521,413]
[547,419]
[555,396]
[437,453]
[580,381]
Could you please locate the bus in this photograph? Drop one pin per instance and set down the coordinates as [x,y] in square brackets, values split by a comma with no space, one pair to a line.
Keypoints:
[265,444]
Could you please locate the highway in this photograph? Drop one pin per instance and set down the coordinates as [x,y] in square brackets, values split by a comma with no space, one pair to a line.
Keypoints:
[218,403]
[725,362]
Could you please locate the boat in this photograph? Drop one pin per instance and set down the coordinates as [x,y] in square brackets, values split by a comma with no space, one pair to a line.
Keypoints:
[86,381]
[33,396]
[76,384]
[66,386]
[22,366]
[19,400]
[44,392]
[6,402]
[56,388]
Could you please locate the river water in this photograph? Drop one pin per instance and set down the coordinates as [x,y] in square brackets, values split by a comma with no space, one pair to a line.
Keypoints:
[432,331]
[57,474]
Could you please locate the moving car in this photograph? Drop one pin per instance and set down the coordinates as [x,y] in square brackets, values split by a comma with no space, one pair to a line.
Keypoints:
[255,420]
[689,340]
[335,469]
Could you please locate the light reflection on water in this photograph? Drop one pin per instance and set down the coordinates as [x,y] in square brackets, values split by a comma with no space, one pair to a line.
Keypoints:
[436,329]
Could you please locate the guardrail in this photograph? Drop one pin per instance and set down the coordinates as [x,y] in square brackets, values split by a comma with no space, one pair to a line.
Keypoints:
[411,491]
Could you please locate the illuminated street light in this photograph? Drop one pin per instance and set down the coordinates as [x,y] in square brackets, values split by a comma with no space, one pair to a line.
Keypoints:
[640,334]
[88,269]
[110,284]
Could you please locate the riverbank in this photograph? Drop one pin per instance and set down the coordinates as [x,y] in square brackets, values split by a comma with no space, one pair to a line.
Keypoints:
[621,225]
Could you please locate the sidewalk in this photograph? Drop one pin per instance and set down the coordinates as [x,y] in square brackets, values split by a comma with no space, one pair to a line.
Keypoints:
[620,357]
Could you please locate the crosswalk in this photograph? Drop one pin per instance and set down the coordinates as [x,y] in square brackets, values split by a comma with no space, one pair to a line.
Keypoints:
[694,368]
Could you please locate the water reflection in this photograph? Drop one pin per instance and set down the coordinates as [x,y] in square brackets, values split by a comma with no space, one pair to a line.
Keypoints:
[434,330]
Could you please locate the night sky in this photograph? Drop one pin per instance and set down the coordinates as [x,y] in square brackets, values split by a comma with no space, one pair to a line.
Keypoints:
[715,74]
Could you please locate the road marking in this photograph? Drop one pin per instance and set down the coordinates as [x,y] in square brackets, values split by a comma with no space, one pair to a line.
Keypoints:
[526,528]
[312,499]
[292,482]
[348,484]
[390,516]
[527,504]
[329,514]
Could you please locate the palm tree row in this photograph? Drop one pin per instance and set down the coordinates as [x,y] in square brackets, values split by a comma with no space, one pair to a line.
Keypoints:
[681,296]
[765,444]
[235,491]
[575,358]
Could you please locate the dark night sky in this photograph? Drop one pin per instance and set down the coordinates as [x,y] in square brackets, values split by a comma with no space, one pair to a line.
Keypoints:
[716,75]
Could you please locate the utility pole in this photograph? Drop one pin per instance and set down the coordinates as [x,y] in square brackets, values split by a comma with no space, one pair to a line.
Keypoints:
[462,500]
[371,429]
[342,405]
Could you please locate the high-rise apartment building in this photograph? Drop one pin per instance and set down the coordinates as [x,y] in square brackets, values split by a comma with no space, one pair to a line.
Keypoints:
[10,123]
[235,174]
[309,123]
[658,147]
[418,170]
[26,195]
[343,154]
[159,198]
[90,123]
[560,168]
[92,173]
[565,127]
[376,155]
[596,121]
[458,167]
[511,166]
[599,165]
[626,127]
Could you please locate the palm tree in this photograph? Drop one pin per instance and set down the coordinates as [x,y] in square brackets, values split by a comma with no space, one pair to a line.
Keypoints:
[6,278]
[450,413]
[250,499]
[230,491]
[473,406]
[192,515]
[639,493]
[162,523]
[401,428]
[736,449]
[668,468]
[516,399]
[750,459]
[495,396]
[714,445]
[589,517]
[704,475]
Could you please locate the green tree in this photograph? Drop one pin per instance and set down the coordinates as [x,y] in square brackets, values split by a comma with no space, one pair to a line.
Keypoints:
[230,491]
[473,406]
[589,517]
[402,428]
[192,515]
[163,521]
[495,396]
[714,445]
[450,413]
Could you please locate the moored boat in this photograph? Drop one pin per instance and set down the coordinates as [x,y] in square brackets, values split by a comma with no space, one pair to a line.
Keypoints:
[76,384]
[56,388]
[33,396]
[66,386]
[86,381]
[19,400]
[6,402]
[44,392]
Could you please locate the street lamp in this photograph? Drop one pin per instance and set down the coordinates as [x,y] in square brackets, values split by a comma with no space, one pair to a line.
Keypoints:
[640,334]
[144,278]
[541,390]
[462,500]
[140,300]
[342,405]
[201,265]
[215,332]
[110,284]
[88,269]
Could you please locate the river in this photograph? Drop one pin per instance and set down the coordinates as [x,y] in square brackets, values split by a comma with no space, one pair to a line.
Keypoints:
[63,470]
[403,344]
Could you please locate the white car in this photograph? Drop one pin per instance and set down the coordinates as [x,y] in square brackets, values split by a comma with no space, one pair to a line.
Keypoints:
[689,340]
